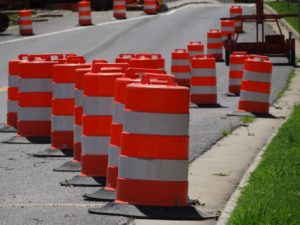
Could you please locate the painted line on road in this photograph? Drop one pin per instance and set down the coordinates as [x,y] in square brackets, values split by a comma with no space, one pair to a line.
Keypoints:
[81,28]
[3,89]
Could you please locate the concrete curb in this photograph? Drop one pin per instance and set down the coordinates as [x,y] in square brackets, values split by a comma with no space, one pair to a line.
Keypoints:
[231,204]
[283,22]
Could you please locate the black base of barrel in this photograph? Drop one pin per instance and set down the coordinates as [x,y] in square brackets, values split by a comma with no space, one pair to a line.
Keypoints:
[4,128]
[101,195]
[152,212]
[85,181]
[52,152]
[28,140]
[71,166]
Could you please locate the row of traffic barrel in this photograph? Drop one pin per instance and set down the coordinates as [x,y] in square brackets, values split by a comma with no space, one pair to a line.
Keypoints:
[151,7]
[126,124]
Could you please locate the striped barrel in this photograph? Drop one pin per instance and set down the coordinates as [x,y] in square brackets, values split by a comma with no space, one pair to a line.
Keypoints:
[154,152]
[203,80]
[215,44]
[124,58]
[195,48]
[147,60]
[78,109]
[180,66]
[119,9]
[84,13]
[25,22]
[131,76]
[13,89]
[98,95]
[63,103]
[150,7]
[234,12]
[34,97]
[227,28]
[236,68]
[256,85]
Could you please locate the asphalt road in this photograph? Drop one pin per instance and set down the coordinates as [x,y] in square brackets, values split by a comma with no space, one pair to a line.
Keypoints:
[29,190]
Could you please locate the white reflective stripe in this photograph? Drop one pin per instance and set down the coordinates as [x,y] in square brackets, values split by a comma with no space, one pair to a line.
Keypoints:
[156,123]
[203,90]
[119,3]
[197,72]
[62,123]
[95,145]
[235,82]
[118,113]
[77,133]
[215,50]
[12,106]
[13,81]
[101,106]
[182,75]
[84,17]
[228,29]
[119,11]
[63,91]
[84,9]
[235,14]
[236,67]
[34,113]
[26,27]
[193,53]
[214,40]
[35,85]
[256,76]
[25,18]
[254,96]
[78,97]
[150,6]
[180,62]
[113,155]
[153,169]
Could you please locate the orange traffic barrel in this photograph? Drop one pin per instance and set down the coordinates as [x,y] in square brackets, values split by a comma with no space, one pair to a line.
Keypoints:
[153,166]
[236,68]
[84,13]
[234,12]
[34,100]
[74,165]
[119,9]
[147,60]
[256,85]
[227,28]
[215,44]
[150,7]
[195,48]
[25,22]
[12,94]
[203,80]
[124,58]
[63,102]
[98,91]
[180,66]
[132,76]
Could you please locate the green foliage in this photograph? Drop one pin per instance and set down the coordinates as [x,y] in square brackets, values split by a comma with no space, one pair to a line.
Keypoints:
[272,195]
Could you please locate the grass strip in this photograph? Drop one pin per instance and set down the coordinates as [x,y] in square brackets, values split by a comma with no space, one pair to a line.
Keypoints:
[282,7]
[272,195]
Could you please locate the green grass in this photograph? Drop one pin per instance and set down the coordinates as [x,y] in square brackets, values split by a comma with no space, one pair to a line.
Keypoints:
[226,133]
[282,7]
[272,195]
[13,16]
[247,119]
[286,85]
